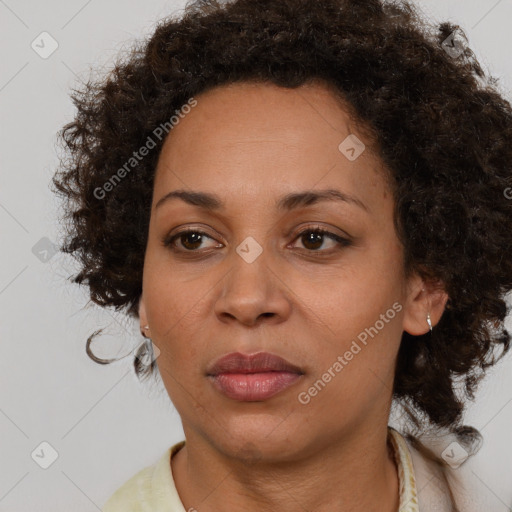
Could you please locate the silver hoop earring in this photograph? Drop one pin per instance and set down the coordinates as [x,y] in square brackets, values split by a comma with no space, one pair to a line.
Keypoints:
[429,322]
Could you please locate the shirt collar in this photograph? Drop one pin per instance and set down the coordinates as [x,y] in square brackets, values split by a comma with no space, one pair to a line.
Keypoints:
[406,478]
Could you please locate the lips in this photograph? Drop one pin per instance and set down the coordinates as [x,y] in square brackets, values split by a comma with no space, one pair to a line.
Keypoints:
[255,363]
[252,378]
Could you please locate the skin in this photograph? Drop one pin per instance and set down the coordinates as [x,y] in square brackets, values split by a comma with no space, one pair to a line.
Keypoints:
[251,144]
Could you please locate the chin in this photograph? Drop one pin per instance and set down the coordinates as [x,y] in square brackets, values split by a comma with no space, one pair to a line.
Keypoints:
[253,439]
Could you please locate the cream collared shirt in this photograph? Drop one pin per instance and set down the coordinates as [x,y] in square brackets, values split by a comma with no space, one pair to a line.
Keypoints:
[153,490]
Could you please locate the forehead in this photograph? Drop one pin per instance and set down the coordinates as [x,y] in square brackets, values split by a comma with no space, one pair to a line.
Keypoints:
[252,138]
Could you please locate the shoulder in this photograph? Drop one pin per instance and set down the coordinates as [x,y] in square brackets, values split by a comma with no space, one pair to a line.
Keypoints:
[150,489]
[447,487]
[130,495]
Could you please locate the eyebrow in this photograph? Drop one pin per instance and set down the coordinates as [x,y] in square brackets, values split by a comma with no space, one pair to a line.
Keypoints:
[288,202]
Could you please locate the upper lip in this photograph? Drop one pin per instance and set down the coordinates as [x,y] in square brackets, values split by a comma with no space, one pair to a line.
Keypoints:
[237,362]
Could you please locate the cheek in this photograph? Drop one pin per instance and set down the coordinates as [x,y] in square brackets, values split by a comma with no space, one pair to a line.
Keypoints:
[167,295]
[355,370]
[174,310]
[353,299]
[359,317]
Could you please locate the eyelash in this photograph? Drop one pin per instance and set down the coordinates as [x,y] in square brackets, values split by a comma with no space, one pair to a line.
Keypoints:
[342,242]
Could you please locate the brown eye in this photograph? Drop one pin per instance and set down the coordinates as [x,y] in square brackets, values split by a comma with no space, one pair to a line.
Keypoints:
[190,239]
[313,239]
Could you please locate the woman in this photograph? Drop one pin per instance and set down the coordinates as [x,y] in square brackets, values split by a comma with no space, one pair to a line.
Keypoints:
[304,204]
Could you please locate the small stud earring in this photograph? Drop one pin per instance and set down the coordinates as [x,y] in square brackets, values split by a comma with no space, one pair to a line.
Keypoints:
[429,322]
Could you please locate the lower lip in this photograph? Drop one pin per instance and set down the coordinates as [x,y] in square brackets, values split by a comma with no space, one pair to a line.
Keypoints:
[253,387]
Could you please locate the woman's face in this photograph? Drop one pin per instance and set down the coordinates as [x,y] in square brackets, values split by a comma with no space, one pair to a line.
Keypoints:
[255,277]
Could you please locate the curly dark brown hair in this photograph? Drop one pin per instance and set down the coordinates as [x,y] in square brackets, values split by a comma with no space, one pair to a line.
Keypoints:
[439,121]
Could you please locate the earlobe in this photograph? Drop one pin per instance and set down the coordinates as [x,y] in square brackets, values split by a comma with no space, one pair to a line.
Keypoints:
[143,320]
[425,306]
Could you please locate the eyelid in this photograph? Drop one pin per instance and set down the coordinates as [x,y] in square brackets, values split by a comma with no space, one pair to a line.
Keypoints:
[341,241]
[319,227]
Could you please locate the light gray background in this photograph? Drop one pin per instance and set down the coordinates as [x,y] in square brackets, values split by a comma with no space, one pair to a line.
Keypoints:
[103,424]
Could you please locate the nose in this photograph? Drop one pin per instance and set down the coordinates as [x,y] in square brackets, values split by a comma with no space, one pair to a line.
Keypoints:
[252,292]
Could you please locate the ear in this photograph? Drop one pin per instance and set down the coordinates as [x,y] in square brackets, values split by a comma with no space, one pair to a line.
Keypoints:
[143,319]
[423,297]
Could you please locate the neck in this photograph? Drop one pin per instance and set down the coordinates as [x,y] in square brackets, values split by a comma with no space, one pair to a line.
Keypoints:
[355,473]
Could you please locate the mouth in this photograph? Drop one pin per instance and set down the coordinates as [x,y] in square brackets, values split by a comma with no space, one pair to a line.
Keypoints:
[252,378]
